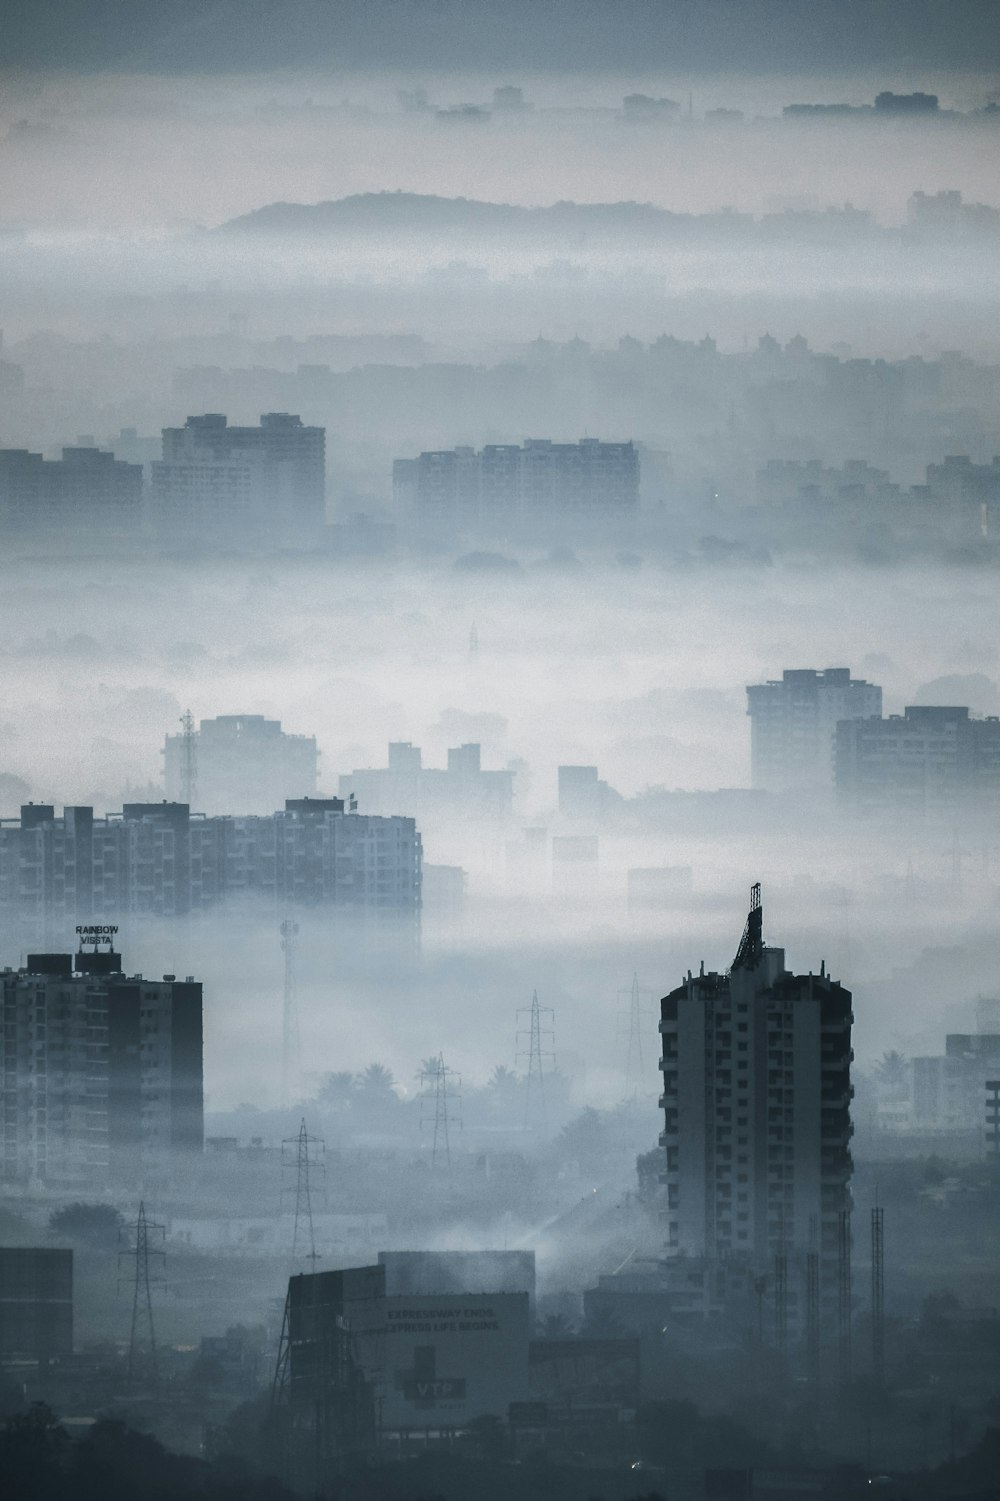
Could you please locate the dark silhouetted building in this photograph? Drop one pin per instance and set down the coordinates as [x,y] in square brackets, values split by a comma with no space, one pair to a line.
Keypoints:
[756,1100]
[36,1303]
[101,1072]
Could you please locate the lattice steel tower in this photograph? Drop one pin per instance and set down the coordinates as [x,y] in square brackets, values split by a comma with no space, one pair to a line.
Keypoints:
[440,1102]
[632,1016]
[189,759]
[142,1362]
[305,1156]
[536,1054]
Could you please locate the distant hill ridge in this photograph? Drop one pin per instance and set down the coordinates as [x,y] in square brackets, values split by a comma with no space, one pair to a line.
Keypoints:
[416,211]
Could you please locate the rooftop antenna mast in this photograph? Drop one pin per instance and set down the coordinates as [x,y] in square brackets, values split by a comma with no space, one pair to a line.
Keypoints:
[291,1059]
[189,759]
[441,1096]
[307,1155]
[536,1055]
[142,1361]
[751,949]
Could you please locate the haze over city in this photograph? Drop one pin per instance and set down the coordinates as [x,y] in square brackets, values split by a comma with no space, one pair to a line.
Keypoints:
[500,749]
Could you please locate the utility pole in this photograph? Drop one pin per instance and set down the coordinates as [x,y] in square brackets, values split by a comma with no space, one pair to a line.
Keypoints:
[306,1155]
[291,1058]
[441,1100]
[189,759]
[632,1018]
[536,1055]
[142,1362]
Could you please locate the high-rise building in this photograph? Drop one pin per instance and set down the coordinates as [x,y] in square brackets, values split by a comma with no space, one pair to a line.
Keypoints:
[85,491]
[240,485]
[793,726]
[506,484]
[928,762]
[462,790]
[159,860]
[100,1072]
[36,1303]
[756,1100]
[241,762]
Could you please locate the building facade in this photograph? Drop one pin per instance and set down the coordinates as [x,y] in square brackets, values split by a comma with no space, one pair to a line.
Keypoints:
[793,726]
[241,761]
[756,1100]
[87,490]
[461,790]
[237,485]
[159,860]
[101,1072]
[929,762]
[507,484]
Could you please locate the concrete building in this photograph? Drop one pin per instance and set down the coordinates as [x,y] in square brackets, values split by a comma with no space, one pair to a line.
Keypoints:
[240,485]
[583,796]
[461,791]
[159,860]
[929,762]
[85,491]
[756,1100]
[507,485]
[793,726]
[101,1072]
[36,1303]
[242,763]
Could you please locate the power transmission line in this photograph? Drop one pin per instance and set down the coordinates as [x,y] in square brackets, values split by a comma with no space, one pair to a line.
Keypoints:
[632,1016]
[304,1155]
[536,1055]
[440,1104]
[142,1362]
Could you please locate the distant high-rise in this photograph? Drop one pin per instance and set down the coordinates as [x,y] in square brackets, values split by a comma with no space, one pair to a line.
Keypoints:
[462,790]
[239,485]
[101,1072]
[928,762]
[506,484]
[86,491]
[245,764]
[793,726]
[158,860]
[756,1100]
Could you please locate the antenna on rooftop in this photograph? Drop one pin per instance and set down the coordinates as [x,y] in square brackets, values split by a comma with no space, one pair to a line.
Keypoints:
[189,759]
[751,948]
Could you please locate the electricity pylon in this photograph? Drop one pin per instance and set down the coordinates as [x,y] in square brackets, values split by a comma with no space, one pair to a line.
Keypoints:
[631,1021]
[441,1104]
[189,759]
[536,1055]
[142,1362]
[306,1156]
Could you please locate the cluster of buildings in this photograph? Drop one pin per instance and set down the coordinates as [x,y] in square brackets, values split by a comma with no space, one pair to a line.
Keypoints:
[102,1078]
[958,496]
[509,485]
[239,761]
[945,1096]
[161,860]
[823,733]
[231,486]
[463,790]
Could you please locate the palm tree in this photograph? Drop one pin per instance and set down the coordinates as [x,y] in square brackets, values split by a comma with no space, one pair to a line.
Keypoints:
[891,1072]
[555,1326]
[336,1090]
[377,1081]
